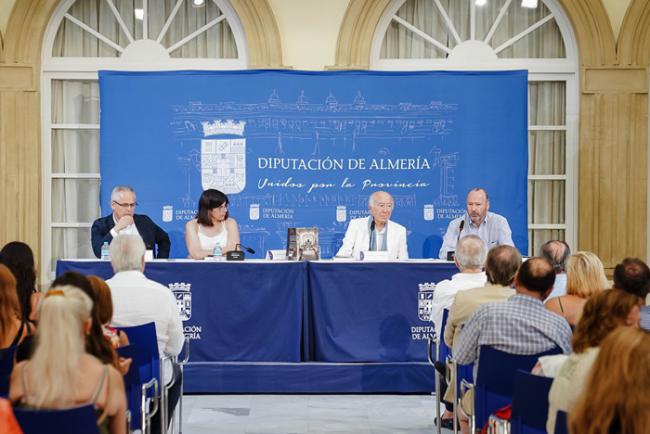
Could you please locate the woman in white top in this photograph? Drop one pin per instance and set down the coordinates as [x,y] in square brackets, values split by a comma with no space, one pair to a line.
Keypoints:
[211,226]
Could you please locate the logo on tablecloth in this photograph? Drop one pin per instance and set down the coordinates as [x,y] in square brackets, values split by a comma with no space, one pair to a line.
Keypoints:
[425,300]
[183,297]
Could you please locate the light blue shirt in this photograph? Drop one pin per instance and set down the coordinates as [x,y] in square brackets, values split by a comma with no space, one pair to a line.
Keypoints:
[645,317]
[559,287]
[494,231]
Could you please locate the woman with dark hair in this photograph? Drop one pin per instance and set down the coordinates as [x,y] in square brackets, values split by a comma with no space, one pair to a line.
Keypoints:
[13,328]
[18,257]
[104,304]
[211,227]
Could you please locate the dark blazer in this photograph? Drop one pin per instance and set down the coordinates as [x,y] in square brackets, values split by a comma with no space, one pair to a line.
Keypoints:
[150,232]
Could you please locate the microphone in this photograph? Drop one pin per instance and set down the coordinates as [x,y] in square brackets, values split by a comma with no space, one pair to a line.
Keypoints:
[248,249]
[460,229]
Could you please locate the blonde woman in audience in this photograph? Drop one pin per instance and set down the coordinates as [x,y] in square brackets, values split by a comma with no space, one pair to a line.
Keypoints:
[585,277]
[104,305]
[616,399]
[61,374]
[13,328]
[603,313]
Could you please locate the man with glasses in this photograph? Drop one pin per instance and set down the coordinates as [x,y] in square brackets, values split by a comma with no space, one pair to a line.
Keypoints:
[125,221]
[376,232]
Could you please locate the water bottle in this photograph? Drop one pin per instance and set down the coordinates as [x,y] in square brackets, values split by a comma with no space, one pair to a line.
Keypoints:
[106,253]
[216,251]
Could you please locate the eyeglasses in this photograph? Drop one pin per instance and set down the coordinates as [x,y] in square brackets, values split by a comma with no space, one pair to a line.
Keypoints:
[125,205]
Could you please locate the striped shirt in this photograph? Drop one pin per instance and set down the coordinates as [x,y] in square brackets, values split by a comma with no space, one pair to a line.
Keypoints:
[522,325]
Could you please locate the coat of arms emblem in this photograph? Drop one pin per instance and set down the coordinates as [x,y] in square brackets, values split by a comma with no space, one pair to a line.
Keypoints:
[223,158]
[183,297]
[425,300]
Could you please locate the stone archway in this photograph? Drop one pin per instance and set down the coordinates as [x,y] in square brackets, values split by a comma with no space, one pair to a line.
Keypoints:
[612,125]
[20,111]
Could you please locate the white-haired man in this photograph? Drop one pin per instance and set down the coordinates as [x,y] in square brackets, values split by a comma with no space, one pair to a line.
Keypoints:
[470,258]
[138,300]
[376,232]
[123,221]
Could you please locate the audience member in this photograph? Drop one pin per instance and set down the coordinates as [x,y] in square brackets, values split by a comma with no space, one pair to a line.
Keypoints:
[633,275]
[61,374]
[616,398]
[138,300]
[211,227]
[469,259]
[18,257]
[500,268]
[585,277]
[13,328]
[96,344]
[104,304]
[557,252]
[520,325]
[603,313]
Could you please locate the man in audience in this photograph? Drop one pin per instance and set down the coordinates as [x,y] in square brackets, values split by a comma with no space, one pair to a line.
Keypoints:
[557,252]
[492,228]
[138,300]
[124,221]
[500,268]
[633,275]
[376,232]
[521,325]
[469,258]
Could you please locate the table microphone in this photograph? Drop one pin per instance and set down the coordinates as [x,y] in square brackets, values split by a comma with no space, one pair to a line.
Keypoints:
[248,249]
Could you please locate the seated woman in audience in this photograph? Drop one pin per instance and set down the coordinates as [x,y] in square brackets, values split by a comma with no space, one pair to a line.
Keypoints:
[18,257]
[211,227]
[603,313]
[585,277]
[13,328]
[61,374]
[616,398]
[96,344]
[104,305]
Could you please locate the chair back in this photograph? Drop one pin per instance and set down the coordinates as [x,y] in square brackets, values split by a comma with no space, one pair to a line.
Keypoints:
[77,420]
[443,349]
[6,366]
[143,337]
[561,423]
[496,377]
[530,403]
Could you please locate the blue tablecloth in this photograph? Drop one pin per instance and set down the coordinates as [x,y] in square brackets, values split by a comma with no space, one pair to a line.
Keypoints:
[274,326]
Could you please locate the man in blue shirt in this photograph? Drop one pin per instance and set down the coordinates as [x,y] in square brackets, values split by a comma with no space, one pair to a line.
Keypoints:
[521,325]
[492,228]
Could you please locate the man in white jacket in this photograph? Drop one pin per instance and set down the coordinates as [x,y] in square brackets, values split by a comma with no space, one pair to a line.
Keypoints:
[376,232]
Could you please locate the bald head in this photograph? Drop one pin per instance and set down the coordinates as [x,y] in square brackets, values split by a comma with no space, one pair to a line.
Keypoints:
[535,277]
[502,264]
[557,252]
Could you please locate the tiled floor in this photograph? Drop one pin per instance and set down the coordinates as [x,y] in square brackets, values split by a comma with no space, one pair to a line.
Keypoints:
[288,414]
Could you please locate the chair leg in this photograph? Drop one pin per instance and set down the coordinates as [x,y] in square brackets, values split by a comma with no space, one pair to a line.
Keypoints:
[439,422]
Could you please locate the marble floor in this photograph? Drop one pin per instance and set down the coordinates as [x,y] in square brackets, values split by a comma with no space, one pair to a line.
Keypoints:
[288,414]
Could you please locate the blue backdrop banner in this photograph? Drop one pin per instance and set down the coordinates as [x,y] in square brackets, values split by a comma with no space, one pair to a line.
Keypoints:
[297,149]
